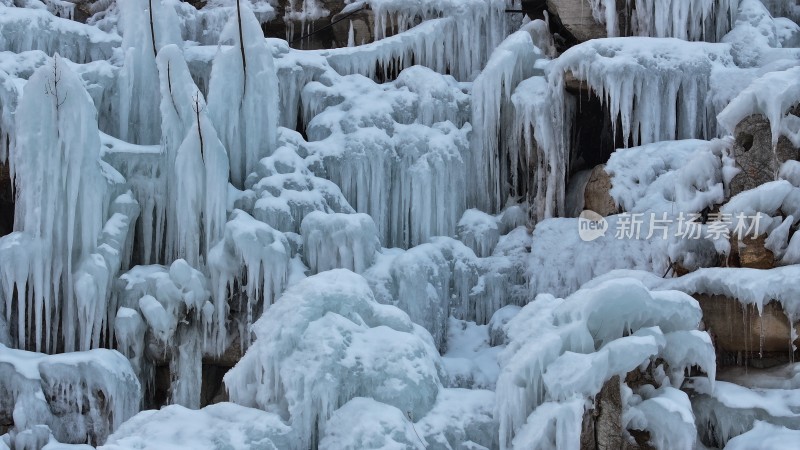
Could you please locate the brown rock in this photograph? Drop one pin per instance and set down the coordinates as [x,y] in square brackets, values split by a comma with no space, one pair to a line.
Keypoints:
[751,252]
[576,17]
[597,196]
[740,329]
[755,155]
[602,426]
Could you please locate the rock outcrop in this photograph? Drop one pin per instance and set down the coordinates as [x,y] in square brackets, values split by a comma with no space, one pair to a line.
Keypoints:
[755,155]
[597,196]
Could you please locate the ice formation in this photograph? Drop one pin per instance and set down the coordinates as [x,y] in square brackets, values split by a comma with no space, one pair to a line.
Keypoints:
[511,62]
[409,140]
[327,341]
[60,394]
[378,238]
[339,241]
[242,100]
[251,263]
[223,424]
[55,162]
[562,349]
[683,19]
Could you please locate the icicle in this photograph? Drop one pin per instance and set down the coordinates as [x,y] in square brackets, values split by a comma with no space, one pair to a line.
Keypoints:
[61,195]
[243,95]
[147,26]
[351,36]
[201,181]
[252,259]
[512,62]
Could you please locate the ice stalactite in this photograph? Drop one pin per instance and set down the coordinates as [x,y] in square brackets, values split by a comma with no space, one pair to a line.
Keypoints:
[24,29]
[147,26]
[624,72]
[490,159]
[9,96]
[541,133]
[693,20]
[95,275]
[60,205]
[371,350]
[201,175]
[477,27]
[165,312]
[339,241]
[204,25]
[252,265]
[360,144]
[243,95]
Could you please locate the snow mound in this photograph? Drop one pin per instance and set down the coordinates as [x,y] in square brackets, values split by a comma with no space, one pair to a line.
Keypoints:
[560,261]
[224,425]
[364,424]
[728,410]
[764,436]
[461,418]
[672,176]
[326,341]
[770,95]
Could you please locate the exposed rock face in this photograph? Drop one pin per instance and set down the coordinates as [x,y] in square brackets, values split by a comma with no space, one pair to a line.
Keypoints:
[362,23]
[321,32]
[740,331]
[755,155]
[6,201]
[596,196]
[576,17]
[751,253]
[602,426]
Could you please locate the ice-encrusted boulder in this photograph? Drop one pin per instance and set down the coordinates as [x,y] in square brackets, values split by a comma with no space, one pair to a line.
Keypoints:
[562,351]
[224,425]
[82,396]
[326,341]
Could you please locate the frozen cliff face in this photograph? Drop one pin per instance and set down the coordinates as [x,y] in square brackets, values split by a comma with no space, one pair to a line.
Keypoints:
[375,236]
[390,162]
